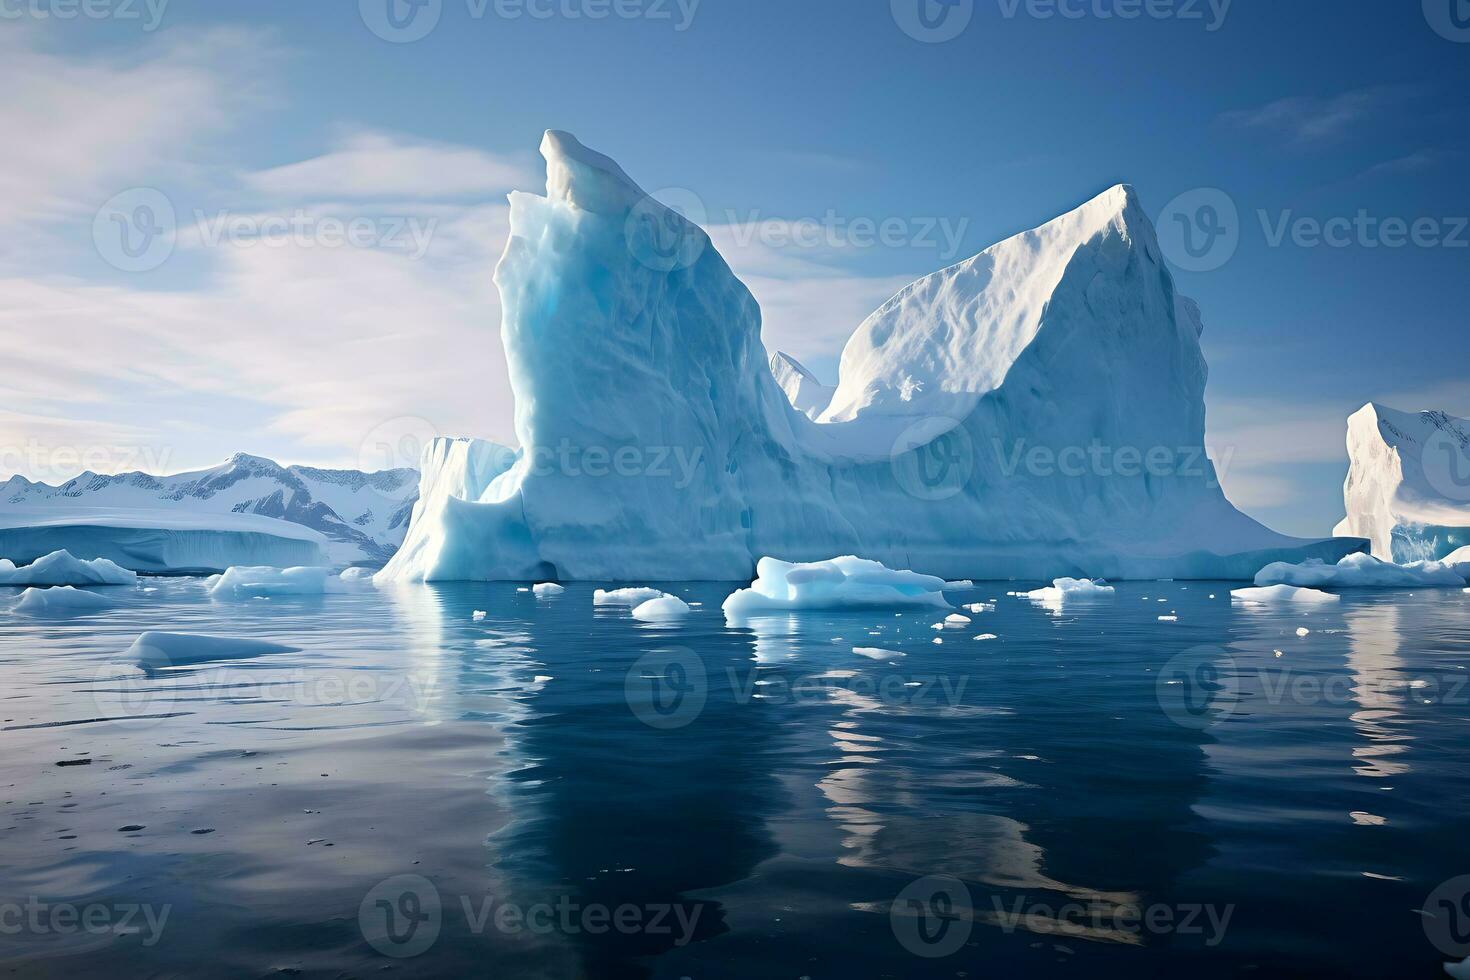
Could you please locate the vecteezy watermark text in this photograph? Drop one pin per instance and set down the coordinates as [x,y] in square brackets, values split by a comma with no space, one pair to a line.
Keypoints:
[37,917]
[403,916]
[149,12]
[406,21]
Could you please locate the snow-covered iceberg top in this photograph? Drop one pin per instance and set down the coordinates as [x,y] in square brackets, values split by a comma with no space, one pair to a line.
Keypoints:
[657,444]
[840,583]
[61,568]
[1364,572]
[1408,484]
[1063,589]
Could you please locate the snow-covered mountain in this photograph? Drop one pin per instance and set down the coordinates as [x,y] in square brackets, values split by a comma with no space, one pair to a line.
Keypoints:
[363,516]
[1036,411]
[1408,484]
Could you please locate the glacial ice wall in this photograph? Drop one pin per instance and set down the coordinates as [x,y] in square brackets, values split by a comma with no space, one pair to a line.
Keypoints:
[1036,411]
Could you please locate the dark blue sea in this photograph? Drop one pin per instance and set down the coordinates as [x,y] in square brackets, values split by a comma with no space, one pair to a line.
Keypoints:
[558,790]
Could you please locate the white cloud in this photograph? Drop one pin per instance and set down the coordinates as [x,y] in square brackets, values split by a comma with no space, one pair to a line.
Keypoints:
[373,165]
[1306,119]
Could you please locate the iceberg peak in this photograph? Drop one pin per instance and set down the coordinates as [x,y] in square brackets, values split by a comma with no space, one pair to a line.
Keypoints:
[585,178]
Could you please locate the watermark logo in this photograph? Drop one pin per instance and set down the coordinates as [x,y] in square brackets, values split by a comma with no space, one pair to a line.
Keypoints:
[126,695]
[1446,465]
[934,458]
[1211,13]
[667,689]
[933,917]
[1199,230]
[401,21]
[401,917]
[1098,918]
[664,231]
[136,230]
[1447,917]
[396,444]
[1199,688]
[933,21]
[1449,18]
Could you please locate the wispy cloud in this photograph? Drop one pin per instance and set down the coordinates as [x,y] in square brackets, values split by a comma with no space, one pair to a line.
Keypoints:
[1306,120]
[382,165]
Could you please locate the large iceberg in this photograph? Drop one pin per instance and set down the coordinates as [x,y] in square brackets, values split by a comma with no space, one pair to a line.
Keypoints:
[157,541]
[1408,484]
[1036,411]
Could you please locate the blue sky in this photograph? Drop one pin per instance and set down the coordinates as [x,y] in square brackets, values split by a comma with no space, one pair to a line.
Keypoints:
[819,115]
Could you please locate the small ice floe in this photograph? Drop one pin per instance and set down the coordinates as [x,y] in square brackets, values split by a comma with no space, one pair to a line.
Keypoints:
[1303,631]
[264,581]
[984,637]
[1363,819]
[841,583]
[1282,593]
[1169,619]
[939,640]
[665,609]
[479,615]
[624,597]
[60,568]
[157,649]
[980,607]
[1279,653]
[543,679]
[60,600]
[1460,970]
[546,590]
[874,653]
[959,586]
[956,620]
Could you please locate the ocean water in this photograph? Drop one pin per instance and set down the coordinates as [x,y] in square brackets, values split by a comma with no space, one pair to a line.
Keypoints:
[558,790]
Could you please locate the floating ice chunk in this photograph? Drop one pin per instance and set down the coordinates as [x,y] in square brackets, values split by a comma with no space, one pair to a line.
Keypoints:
[157,649]
[939,641]
[479,615]
[1460,970]
[959,586]
[842,583]
[1168,619]
[874,653]
[1303,631]
[357,575]
[955,619]
[62,600]
[624,597]
[546,590]
[60,568]
[1066,589]
[664,609]
[984,637]
[981,607]
[263,581]
[1361,571]
[1281,593]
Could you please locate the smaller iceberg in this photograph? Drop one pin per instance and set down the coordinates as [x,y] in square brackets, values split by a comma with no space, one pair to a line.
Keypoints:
[62,600]
[1363,572]
[60,568]
[664,609]
[841,583]
[264,581]
[157,649]
[1064,589]
[547,590]
[1272,594]
[625,597]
